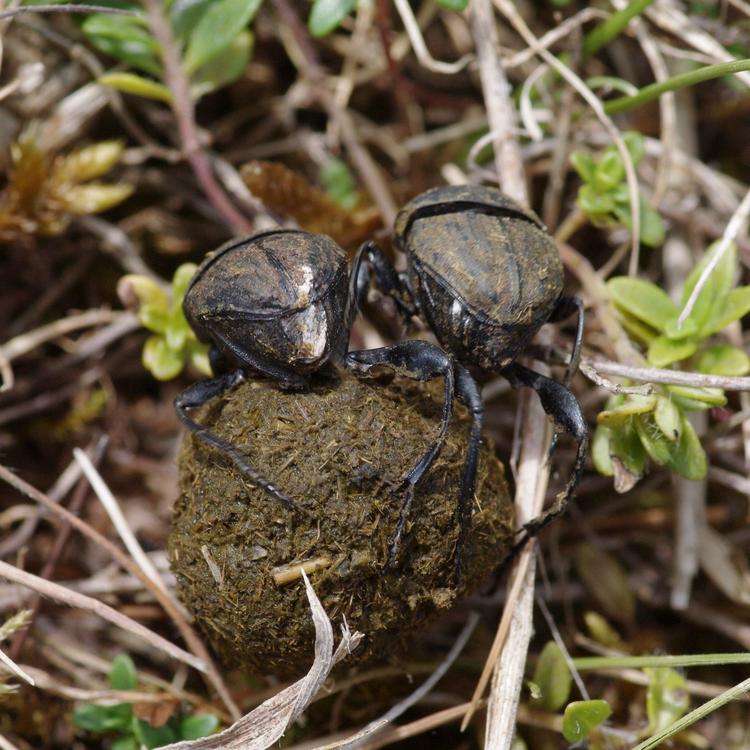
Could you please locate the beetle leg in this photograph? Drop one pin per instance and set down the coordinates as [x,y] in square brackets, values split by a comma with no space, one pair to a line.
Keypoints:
[564,408]
[198,394]
[468,393]
[565,307]
[419,360]
[370,259]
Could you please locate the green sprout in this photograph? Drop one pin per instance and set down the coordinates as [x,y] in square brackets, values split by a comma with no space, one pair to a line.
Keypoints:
[634,428]
[132,733]
[213,38]
[174,342]
[604,197]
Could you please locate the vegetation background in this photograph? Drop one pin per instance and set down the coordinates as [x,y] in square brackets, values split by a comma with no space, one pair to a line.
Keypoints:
[135,137]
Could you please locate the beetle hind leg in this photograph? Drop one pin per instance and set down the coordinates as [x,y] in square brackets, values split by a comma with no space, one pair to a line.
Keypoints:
[565,307]
[198,394]
[564,408]
[468,393]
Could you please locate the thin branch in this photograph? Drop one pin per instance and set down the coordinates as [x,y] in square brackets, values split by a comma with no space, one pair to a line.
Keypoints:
[184,111]
[81,601]
[419,46]
[497,99]
[667,377]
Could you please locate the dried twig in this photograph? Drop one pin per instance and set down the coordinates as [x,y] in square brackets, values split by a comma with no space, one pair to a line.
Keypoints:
[81,601]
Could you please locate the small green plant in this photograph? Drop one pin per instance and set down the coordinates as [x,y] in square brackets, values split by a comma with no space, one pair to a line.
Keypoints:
[214,41]
[550,690]
[634,428]
[131,732]
[174,342]
[667,699]
[604,197]
[339,183]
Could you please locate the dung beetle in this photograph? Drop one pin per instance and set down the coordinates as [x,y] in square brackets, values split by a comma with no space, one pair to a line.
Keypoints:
[485,275]
[279,304]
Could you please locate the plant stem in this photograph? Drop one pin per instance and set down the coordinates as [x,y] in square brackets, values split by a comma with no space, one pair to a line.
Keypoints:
[608,30]
[654,90]
[675,662]
[182,106]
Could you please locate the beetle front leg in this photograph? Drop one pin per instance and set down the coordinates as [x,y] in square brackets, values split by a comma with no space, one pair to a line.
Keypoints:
[198,394]
[418,360]
[370,259]
[564,408]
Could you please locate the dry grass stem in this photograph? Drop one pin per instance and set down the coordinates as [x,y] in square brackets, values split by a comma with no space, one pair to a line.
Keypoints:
[114,512]
[73,599]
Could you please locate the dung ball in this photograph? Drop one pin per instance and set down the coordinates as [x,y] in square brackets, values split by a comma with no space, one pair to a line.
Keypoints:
[341,451]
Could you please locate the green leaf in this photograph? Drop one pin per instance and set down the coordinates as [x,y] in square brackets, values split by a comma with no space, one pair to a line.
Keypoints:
[584,164]
[668,418]
[600,451]
[652,226]
[154,317]
[707,397]
[123,676]
[125,38]
[635,144]
[626,445]
[594,203]
[621,413]
[216,30]
[153,737]
[677,332]
[688,458]
[125,743]
[636,328]
[657,446]
[326,15]
[200,725]
[609,172]
[454,4]
[225,68]
[713,297]
[723,359]
[131,83]
[643,300]
[161,361]
[103,718]
[667,699]
[197,354]
[581,717]
[339,183]
[176,335]
[184,16]
[606,580]
[181,281]
[737,305]
[662,351]
[552,677]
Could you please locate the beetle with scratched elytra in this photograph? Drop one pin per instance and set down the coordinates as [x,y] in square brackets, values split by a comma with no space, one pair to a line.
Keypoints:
[484,274]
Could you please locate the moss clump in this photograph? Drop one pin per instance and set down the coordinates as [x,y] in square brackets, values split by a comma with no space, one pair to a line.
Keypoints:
[340,449]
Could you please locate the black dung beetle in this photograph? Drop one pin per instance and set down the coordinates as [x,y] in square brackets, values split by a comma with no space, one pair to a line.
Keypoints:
[484,274]
[278,304]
